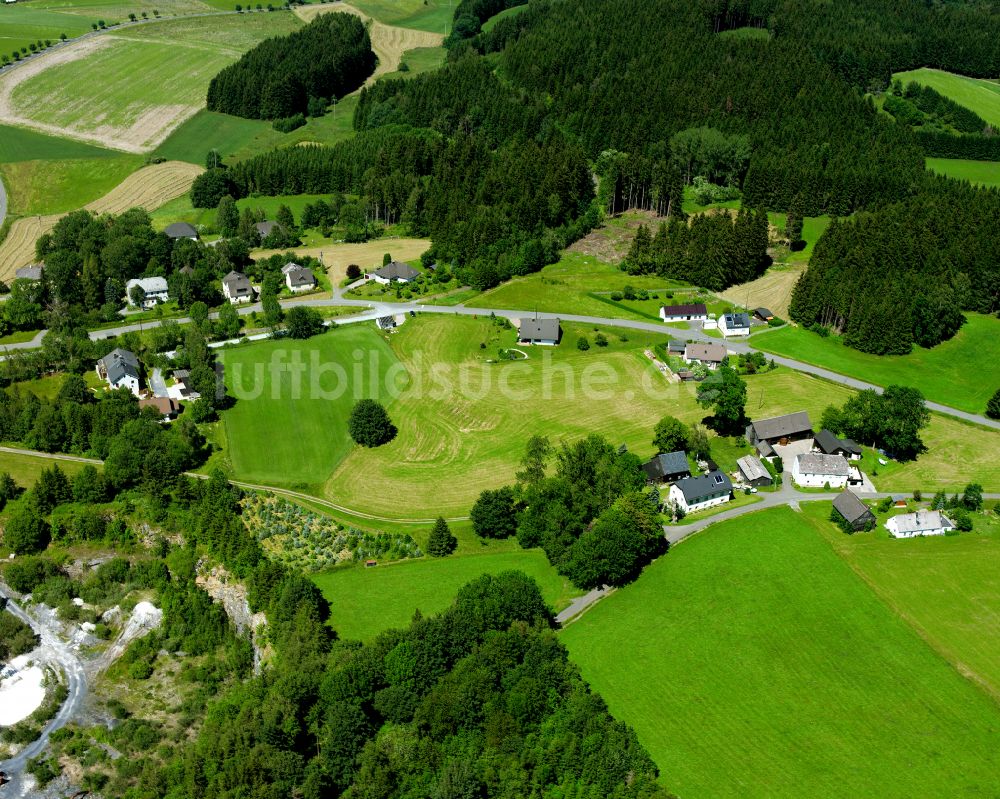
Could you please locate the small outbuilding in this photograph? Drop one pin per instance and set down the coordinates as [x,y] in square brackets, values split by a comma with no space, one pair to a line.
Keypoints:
[763,314]
[386,322]
[667,467]
[827,443]
[855,514]
[753,471]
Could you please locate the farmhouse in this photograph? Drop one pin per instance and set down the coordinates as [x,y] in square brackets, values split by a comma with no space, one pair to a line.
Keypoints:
[298,278]
[539,331]
[923,522]
[709,355]
[236,286]
[32,273]
[154,290]
[698,493]
[827,443]
[120,368]
[684,313]
[181,230]
[763,314]
[393,272]
[667,467]
[815,470]
[753,471]
[766,433]
[165,406]
[853,511]
[734,324]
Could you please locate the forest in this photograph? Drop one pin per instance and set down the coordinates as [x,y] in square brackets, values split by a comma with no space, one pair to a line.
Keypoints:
[300,73]
[898,276]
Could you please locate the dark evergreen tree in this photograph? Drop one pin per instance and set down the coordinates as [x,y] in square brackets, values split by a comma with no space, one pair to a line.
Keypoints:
[441,541]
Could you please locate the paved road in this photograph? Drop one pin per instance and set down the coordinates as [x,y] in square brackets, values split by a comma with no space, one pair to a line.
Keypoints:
[3,203]
[56,651]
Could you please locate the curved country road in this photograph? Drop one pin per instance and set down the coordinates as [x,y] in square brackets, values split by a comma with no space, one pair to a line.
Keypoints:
[76,683]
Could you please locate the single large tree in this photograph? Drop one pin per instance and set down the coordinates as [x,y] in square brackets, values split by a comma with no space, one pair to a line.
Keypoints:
[227,217]
[441,542]
[726,394]
[495,513]
[26,531]
[670,435]
[370,425]
[302,322]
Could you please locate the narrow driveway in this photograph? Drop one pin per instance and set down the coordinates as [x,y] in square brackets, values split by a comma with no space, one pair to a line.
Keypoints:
[55,651]
[157,384]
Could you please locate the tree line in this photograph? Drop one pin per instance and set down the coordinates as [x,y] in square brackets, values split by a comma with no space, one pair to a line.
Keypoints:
[296,74]
[899,276]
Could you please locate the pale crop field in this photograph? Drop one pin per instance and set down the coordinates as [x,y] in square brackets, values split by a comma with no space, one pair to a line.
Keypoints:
[130,88]
[367,255]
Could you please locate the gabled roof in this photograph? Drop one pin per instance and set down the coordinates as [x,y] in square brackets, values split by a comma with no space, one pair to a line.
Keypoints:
[712,353]
[737,320]
[921,521]
[765,449]
[698,488]
[666,463]
[120,363]
[676,346]
[291,265]
[396,270]
[827,442]
[695,309]
[33,272]
[539,329]
[764,313]
[265,228]
[849,506]
[752,468]
[165,405]
[300,277]
[150,285]
[816,463]
[181,230]
[780,426]
[386,322]
[237,282]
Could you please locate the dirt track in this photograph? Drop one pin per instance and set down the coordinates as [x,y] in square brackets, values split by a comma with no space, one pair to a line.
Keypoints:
[149,188]
[388,41]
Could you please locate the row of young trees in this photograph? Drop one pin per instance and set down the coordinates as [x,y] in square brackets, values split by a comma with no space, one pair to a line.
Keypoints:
[900,276]
[298,73]
[715,250]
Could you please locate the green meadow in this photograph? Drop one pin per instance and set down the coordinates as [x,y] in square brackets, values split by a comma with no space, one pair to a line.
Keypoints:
[753,662]
[20,144]
[963,372]
[946,587]
[976,94]
[423,15]
[981,173]
[491,23]
[55,186]
[367,601]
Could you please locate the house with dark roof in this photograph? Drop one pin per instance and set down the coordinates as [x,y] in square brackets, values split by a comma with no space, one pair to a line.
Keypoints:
[675,347]
[236,286]
[697,493]
[120,369]
[779,430]
[394,272]
[386,322]
[734,324]
[181,388]
[265,229]
[545,331]
[827,443]
[696,312]
[667,467]
[763,314]
[181,230]
[32,273]
[816,470]
[708,355]
[753,471]
[855,514]
[299,278]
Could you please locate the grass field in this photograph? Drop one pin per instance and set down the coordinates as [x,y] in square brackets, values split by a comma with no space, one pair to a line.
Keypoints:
[981,96]
[60,186]
[365,602]
[421,15]
[946,587]
[169,65]
[963,372]
[19,144]
[26,468]
[149,188]
[491,23]
[295,440]
[753,662]
[981,173]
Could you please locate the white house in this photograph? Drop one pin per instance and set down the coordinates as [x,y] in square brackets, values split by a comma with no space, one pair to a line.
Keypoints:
[710,355]
[697,493]
[684,313]
[394,272]
[734,324]
[923,522]
[154,290]
[298,278]
[236,286]
[816,470]
[120,368]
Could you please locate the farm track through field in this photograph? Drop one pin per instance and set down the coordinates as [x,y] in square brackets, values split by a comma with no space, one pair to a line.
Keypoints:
[148,188]
[388,41]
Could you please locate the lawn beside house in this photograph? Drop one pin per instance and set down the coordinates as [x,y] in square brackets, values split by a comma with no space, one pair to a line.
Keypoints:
[781,674]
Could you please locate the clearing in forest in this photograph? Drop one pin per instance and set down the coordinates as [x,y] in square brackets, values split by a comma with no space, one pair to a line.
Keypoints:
[777,672]
[148,188]
[976,94]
